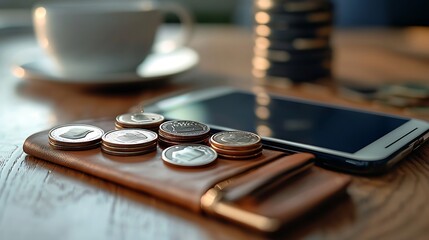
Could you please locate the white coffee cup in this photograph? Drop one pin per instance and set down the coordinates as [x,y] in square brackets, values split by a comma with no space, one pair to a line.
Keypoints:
[97,37]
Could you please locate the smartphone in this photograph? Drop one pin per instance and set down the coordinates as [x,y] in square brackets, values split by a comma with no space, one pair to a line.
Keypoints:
[342,138]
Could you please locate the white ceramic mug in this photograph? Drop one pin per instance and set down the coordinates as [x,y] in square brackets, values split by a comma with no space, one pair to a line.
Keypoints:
[97,37]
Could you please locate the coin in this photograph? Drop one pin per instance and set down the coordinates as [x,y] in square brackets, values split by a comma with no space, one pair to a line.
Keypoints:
[237,152]
[236,144]
[183,129]
[129,138]
[239,157]
[129,149]
[235,139]
[75,135]
[73,148]
[121,153]
[189,155]
[140,119]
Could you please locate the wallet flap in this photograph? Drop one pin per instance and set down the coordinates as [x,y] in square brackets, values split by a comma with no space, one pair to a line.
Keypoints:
[263,177]
[279,202]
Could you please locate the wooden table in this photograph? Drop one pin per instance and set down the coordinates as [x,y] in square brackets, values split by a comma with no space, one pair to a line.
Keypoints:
[40,200]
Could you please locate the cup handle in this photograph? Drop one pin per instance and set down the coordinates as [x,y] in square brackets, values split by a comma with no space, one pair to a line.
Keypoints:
[187,23]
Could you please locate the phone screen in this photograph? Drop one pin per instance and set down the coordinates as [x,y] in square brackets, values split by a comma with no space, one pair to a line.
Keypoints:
[290,120]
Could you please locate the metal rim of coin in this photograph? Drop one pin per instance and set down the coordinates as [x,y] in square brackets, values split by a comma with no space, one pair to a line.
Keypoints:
[183,130]
[230,152]
[126,153]
[192,155]
[129,149]
[129,120]
[89,135]
[183,139]
[237,157]
[74,148]
[74,145]
[111,138]
[153,129]
[228,140]
[186,139]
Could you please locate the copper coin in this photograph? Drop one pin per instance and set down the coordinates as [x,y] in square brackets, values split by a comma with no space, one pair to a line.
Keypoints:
[75,135]
[124,154]
[237,152]
[235,140]
[129,149]
[139,120]
[167,143]
[241,157]
[189,155]
[183,139]
[74,148]
[153,129]
[186,139]
[129,138]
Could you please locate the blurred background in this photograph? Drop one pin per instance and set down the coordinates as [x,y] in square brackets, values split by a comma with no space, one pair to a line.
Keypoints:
[349,13]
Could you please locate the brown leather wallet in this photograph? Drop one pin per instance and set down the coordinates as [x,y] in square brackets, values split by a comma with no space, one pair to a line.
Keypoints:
[263,193]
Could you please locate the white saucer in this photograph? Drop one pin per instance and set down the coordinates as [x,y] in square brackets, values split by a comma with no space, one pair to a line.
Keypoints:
[156,66]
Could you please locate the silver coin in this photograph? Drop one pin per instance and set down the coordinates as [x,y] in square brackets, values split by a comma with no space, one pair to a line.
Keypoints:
[184,128]
[235,139]
[139,119]
[71,134]
[129,137]
[189,155]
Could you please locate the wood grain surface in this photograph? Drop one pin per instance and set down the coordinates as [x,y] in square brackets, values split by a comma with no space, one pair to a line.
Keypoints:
[40,200]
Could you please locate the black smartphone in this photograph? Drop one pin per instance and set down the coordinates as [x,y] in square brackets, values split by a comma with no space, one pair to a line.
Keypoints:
[341,138]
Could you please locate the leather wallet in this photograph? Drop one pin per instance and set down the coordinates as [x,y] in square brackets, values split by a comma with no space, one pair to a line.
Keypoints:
[263,193]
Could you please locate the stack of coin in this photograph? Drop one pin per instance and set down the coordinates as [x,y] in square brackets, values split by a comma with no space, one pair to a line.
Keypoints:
[292,41]
[183,131]
[150,121]
[236,144]
[129,142]
[75,137]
